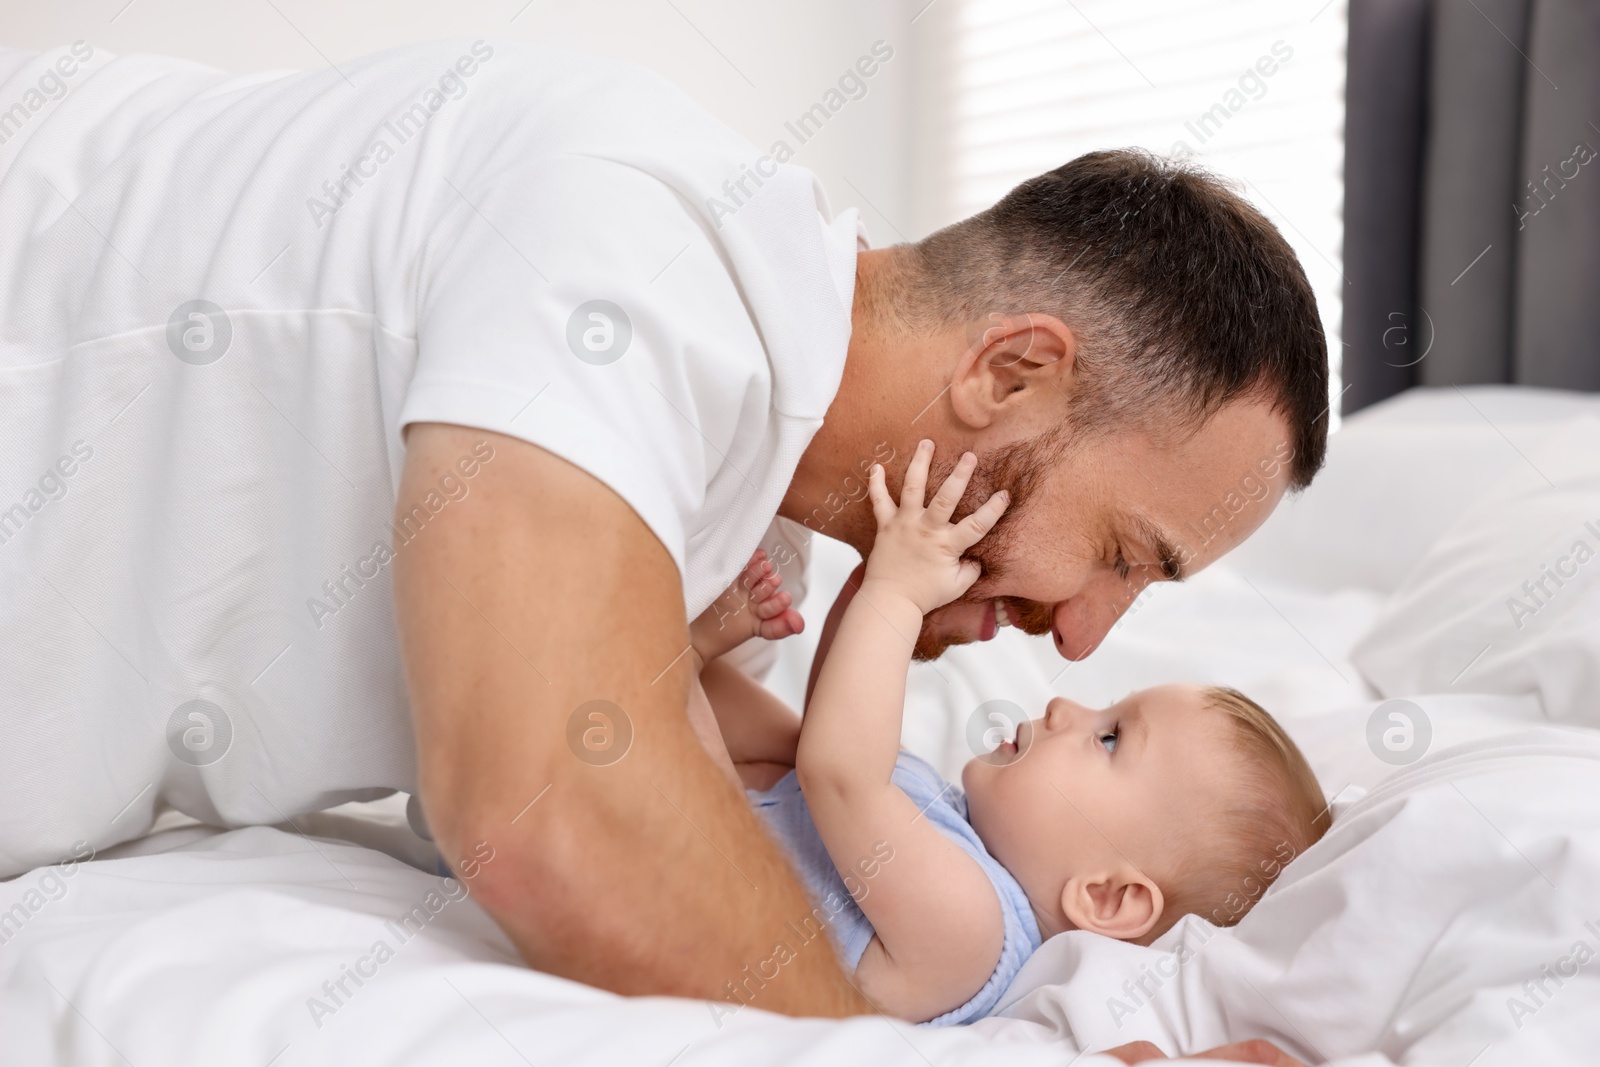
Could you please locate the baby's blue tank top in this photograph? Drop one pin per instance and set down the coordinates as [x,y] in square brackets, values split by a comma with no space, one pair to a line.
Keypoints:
[783,808]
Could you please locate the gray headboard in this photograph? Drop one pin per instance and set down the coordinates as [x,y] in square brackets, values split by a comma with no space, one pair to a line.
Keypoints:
[1472,195]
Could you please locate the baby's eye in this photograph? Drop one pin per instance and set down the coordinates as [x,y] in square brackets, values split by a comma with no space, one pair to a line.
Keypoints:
[1110,739]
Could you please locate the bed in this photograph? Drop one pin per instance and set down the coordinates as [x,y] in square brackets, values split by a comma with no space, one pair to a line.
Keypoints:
[1451,916]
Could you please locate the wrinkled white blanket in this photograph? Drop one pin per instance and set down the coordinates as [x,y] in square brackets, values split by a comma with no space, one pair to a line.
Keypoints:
[259,947]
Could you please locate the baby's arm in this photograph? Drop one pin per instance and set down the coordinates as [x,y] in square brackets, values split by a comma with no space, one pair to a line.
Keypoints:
[937,918]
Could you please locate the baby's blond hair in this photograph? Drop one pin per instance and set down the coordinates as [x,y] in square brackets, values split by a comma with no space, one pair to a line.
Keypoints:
[1276,812]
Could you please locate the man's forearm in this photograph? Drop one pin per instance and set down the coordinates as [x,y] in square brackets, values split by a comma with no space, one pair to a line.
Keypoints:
[543,632]
[656,882]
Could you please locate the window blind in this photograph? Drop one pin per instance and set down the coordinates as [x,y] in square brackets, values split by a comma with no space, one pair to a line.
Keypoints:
[1251,89]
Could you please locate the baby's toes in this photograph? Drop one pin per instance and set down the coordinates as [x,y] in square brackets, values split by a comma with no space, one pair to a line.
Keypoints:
[766,588]
[773,605]
[758,570]
[786,623]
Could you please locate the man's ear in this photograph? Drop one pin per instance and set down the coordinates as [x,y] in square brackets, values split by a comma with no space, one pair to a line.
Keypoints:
[1014,356]
[1122,904]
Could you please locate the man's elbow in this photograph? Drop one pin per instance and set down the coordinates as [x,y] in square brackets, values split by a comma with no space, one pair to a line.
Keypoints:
[520,864]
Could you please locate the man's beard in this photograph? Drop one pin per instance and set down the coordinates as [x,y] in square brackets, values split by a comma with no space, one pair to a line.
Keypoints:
[1018,468]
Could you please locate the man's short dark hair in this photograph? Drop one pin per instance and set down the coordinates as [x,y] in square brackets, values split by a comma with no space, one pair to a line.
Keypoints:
[1182,295]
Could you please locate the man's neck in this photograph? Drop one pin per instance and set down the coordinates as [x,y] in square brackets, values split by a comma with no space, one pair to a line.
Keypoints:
[877,415]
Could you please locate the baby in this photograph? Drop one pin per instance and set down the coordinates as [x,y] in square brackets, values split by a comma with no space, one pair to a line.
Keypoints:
[1175,800]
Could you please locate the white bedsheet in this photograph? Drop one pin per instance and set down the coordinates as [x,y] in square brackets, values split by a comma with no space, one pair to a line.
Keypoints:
[216,954]
[1402,937]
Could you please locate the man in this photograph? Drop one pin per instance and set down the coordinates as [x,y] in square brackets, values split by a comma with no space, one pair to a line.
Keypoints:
[535,340]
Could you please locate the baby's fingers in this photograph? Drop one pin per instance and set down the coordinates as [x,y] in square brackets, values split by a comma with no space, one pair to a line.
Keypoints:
[913,491]
[883,508]
[968,571]
[945,500]
[970,530]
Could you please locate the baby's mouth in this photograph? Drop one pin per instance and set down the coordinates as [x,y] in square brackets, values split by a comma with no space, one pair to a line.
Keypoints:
[1018,745]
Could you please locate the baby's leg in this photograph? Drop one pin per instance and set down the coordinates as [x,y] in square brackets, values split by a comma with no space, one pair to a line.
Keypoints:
[704,722]
[749,733]
[746,773]
[755,605]
[755,725]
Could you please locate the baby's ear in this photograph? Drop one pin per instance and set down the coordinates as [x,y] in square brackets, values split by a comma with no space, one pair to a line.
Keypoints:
[1123,904]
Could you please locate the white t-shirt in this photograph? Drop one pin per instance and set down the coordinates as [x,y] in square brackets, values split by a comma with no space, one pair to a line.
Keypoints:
[196,498]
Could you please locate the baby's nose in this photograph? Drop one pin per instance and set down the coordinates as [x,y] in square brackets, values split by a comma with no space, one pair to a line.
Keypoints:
[1061,712]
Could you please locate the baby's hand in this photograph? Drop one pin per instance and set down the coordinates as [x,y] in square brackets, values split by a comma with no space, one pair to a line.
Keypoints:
[755,605]
[918,550]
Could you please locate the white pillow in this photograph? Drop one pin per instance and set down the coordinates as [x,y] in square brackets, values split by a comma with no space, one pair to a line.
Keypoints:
[1507,600]
[1404,936]
[1398,473]
[1475,405]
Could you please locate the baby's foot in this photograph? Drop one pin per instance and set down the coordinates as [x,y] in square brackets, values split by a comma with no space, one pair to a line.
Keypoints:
[755,605]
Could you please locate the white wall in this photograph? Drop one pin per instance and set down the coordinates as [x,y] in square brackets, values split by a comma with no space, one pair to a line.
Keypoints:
[898,153]
[754,65]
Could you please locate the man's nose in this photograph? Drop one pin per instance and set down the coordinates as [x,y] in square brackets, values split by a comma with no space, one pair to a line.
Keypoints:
[1081,623]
